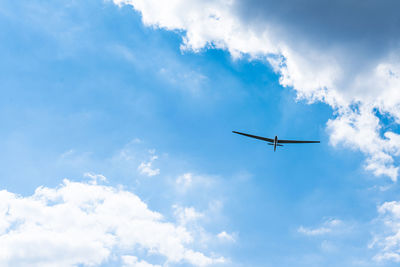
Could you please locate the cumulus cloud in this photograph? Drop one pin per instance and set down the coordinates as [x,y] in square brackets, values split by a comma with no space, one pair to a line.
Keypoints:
[89,224]
[343,53]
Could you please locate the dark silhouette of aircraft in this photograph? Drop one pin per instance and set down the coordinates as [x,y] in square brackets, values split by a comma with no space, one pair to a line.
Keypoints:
[275,142]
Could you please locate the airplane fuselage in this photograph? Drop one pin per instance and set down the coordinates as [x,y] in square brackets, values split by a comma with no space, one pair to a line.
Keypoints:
[275,142]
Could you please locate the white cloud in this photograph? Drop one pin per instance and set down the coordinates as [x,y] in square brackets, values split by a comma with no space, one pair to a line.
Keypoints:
[132,261]
[224,236]
[186,215]
[185,181]
[387,240]
[146,168]
[189,181]
[342,60]
[328,226]
[95,177]
[88,224]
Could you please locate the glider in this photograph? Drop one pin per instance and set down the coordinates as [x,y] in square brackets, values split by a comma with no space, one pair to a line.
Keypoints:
[276,142]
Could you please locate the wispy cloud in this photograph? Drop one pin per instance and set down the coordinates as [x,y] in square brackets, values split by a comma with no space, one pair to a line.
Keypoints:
[329,226]
[387,235]
[146,168]
[190,181]
[185,180]
[190,81]
[186,215]
[132,261]
[224,236]
[95,178]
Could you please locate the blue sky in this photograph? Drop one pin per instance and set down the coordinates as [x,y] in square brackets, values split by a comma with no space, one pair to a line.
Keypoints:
[89,90]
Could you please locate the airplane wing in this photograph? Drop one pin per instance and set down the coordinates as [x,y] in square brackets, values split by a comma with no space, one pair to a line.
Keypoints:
[295,142]
[255,136]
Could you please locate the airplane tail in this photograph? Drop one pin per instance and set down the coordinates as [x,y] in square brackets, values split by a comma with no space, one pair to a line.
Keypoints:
[271,144]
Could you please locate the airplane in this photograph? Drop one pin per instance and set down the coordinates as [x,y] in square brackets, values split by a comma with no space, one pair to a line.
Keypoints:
[275,142]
